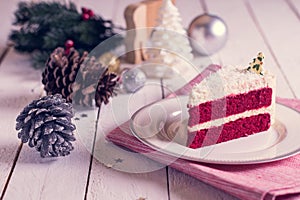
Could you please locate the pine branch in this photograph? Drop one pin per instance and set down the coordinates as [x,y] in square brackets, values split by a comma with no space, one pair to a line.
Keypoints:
[41,27]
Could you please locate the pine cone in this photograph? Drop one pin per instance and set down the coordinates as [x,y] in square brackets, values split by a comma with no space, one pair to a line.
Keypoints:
[86,82]
[46,125]
[60,72]
[105,87]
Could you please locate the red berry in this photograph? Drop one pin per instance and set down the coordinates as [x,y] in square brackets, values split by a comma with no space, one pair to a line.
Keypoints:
[85,16]
[69,44]
[91,13]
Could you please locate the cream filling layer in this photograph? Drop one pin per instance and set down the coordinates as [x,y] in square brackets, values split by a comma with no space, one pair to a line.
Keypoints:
[218,122]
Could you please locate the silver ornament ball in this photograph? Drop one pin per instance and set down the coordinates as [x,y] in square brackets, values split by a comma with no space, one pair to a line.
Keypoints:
[208,34]
[133,79]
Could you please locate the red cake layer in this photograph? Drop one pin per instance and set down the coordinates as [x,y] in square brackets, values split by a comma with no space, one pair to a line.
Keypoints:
[229,131]
[235,104]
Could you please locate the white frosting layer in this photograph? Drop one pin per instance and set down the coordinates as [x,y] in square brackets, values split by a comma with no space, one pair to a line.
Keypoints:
[225,120]
[230,80]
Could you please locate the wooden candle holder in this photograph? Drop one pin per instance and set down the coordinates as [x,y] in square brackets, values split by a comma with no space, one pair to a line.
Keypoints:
[140,19]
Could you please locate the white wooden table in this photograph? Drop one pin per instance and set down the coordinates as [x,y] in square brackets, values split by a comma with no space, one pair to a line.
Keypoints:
[257,25]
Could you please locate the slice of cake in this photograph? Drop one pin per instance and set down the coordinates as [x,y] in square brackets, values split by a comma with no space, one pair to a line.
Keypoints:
[230,104]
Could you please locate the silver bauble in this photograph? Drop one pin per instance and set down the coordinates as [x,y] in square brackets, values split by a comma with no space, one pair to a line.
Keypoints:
[208,34]
[133,80]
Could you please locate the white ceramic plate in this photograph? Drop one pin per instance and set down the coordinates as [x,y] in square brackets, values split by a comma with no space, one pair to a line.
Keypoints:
[162,126]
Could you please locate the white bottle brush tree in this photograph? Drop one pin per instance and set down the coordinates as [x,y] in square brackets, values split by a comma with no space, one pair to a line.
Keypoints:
[169,41]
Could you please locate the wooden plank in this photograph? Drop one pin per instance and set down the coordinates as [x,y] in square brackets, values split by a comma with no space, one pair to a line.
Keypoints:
[7,14]
[295,6]
[47,175]
[106,174]
[111,184]
[4,52]
[50,178]
[18,87]
[128,176]
[245,40]
[134,175]
[281,30]
[188,10]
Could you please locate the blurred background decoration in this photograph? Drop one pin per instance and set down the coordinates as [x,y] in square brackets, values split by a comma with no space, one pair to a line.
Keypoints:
[208,34]
[40,27]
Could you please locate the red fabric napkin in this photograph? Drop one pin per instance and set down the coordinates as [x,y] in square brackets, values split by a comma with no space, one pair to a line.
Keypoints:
[275,180]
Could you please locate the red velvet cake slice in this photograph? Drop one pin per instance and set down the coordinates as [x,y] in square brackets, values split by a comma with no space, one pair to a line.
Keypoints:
[230,104]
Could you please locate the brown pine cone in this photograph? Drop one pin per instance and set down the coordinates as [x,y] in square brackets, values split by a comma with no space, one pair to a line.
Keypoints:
[86,82]
[78,78]
[106,87]
[60,72]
